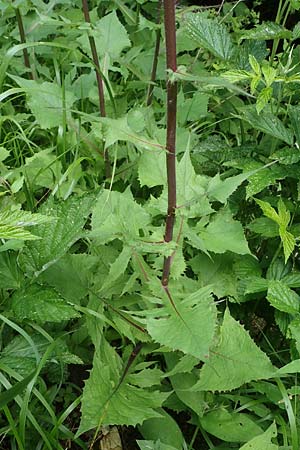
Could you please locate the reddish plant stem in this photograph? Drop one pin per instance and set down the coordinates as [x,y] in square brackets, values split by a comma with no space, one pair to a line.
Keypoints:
[23,40]
[170,35]
[87,18]
[155,57]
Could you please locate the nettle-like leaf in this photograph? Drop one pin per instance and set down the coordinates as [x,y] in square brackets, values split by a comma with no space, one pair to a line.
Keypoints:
[46,101]
[41,304]
[210,34]
[236,360]
[283,298]
[152,168]
[189,326]
[268,123]
[56,238]
[110,36]
[12,223]
[104,402]
[263,441]
[10,274]
[230,426]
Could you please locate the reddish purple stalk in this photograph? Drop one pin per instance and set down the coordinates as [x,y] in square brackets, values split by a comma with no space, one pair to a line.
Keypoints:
[23,40]
[155,57]
[170,36]
[87,18]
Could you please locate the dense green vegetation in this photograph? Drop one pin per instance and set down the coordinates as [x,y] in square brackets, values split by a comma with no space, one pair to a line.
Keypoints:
[132,295]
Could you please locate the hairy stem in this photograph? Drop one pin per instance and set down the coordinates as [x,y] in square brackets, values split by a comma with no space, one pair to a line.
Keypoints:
[170,35]
[155,58]
[87,18]
[23,40]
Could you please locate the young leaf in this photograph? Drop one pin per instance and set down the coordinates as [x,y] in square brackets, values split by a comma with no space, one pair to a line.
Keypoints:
[190,328]
[12,223]
[210,34]
[266,31]
[263,441]
[235,350]
[41,305]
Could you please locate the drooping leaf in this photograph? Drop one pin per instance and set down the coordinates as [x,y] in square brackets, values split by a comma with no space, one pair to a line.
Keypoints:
[190,328]
[210,34]
[221,190]
[283,298]
[56,238]
[16,389]
[102,403]
[235,349]
[230,426]
[263,441]
[41,305]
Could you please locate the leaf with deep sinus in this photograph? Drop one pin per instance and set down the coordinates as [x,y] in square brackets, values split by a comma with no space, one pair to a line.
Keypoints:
[236,360]
[190,327]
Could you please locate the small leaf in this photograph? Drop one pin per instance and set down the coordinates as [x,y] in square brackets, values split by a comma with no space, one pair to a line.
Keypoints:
[42,304]
[288,241]
[282,297]
[268,210]
[263,98]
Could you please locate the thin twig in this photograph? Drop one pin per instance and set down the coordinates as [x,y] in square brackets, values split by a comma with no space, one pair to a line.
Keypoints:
[23,40]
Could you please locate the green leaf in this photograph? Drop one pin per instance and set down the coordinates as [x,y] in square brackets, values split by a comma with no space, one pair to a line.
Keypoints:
[282,297]
[152,168]
[230,426]
[46,101]
[294,115]
[56,238]
[223,234]
[103,402]
[266,31]
[154,445]
[190,328]
[111,218]
[263,98]
[13,221]
[263,441]
[264,226]
[210,34]
[117,268]
[16,389]
[10,275]
[235,350]
[268,123]
[163,428]
[110,37]
[221,190]
[288,241]
[268,210]
[41,304]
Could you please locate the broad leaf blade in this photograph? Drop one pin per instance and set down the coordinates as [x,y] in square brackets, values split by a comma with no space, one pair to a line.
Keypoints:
[236,350]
